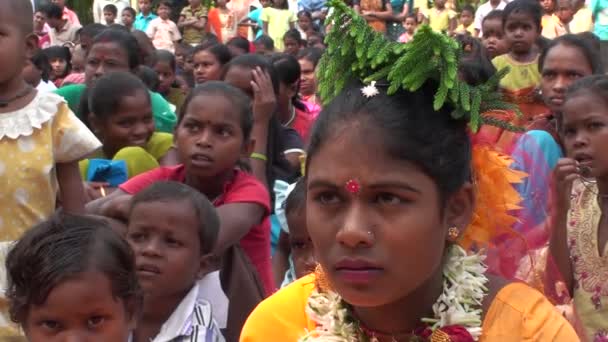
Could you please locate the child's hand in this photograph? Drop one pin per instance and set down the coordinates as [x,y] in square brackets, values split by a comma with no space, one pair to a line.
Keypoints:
[564,174]
[264,98]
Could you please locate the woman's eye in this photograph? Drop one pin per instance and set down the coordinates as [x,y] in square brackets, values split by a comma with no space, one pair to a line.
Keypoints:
[95,321]
[387,198]
[298,245]
[595,125]
[136,237]
[327,198]
[50,325]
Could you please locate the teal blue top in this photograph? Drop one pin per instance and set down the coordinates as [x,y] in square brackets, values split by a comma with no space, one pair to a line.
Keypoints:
[599,8]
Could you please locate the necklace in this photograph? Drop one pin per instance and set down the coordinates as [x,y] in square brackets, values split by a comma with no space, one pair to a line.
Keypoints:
[22,93]
[293,116]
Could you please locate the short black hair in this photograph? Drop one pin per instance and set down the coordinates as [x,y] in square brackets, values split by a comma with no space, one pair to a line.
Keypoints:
[62,248]
[131,10]
[165,3]
[149,77]
[572,40]
[123,39]
[293,34]
[41,62]
[220,51]
[265,41]
[107,93]
[467,8]
[111,8]
[22,11]
[311,54]
[297,197]
[596,85]
[60,52]
[52,11]
[494,15]
[530,7]
[240,43]
[209,221]
[92,30]
[165,56]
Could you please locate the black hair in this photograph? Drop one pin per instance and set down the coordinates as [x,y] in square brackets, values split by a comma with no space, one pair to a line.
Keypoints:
[530,7]
[591,39]
[409,128]
[312,54]
[493,15]
[284,6]
[165,3]
[468,8]
[305,14]
[209,221]
[22,10]
[149,77]
[596,85]
[239,100]
[411,16]
[52,11]
[62,248]
[297,197]
[111,8]
[60,52]
[240,43]
[131,10]
[92,30]
[320,35]
[293,34]
[581,44]
[220,51]
[209,39]
[289,72]
[41,62]
[118,27]
[105,96]
[165,56]
[123,39]
[266,41]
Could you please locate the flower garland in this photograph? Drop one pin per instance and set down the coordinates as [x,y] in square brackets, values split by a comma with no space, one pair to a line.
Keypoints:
[457,310]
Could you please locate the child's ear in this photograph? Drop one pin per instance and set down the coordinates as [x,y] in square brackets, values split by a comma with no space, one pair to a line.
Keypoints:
[206,263]
[31,45]
[247,148]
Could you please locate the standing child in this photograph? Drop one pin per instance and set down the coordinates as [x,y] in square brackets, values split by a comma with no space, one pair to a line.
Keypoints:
[227,21]
[277,20]
[145,15]
[493,37]
[255,18]
[466,21]
[212,136]
[110,12]
[192,21]
[37,71]
[173,230]
[71,261]
[409,24]
[583,18]
[60,59]
[292,40]
[162,31]
[548,7]
[41,140]
[484,10]
[579,237]
[99,5]
[440,18]
[305,24]
[165,67]
[559,24]
[128,18]
[522,20]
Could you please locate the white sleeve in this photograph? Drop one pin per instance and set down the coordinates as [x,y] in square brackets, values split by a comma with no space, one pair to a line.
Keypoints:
[478,18]
[97,13]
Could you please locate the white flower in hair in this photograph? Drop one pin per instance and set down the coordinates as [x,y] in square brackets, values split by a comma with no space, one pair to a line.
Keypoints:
[370,90]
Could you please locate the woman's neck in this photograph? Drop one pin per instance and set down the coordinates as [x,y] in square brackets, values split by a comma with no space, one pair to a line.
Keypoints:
[212,187]
[405,314]
[156,311]
[286,114]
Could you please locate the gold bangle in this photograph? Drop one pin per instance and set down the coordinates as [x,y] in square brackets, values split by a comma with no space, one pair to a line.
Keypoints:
[259,156]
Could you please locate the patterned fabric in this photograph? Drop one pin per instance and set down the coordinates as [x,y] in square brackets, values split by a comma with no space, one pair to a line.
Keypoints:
[374,5]
[193,35]
[589,267]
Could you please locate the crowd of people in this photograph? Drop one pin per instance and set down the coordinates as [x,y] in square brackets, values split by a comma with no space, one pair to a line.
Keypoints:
[267,171]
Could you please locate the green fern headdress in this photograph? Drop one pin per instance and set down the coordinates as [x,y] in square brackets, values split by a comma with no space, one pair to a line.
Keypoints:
[355,51]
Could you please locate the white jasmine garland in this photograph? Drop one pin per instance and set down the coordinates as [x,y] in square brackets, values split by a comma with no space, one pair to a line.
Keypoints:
[464,288]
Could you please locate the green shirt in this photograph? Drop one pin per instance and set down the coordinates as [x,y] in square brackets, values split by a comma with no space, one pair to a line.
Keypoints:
[164,116]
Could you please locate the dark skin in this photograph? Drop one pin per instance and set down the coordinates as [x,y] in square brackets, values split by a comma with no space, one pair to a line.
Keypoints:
[210,127]
[522,32]
[387,296]
[584,134]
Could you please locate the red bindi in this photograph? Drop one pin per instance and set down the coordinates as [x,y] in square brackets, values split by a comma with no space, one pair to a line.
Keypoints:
[353,186]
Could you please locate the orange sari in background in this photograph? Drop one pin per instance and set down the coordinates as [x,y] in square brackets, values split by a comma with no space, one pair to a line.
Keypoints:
[376,6]
[518,313]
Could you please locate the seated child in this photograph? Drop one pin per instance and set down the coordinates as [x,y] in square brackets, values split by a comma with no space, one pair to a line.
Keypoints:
[466,21]
[164,32]
[409,24]
[493,37]
[173,230]
[440,18]
[582,21]
[60,59]
[548,7]
[109,14]
[71,261]
[165,67]
[264,45]
[128,16]
[559,24]
[121,117]
[36,72]
[294,257]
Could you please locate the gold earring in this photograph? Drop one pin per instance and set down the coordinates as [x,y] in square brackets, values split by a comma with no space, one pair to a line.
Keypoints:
[453,232]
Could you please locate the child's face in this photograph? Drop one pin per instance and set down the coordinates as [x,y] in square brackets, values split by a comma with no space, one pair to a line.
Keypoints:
[265,3]
[59,66]
[493,38]
[131,125]
[308,83]
[521,32]
[166,243]
[60,3]
[410,25]
[39,21]
[564,11]
[466,18]
[105,58]
[127,18]
[209,137]
[109,17]
[547,5]
[563,65]
[145,6]
[163,12]
[302,250]
[63,317]
[280,3]
[194,3]
[315,41]
[78,61]
[440,3]
[292,46]
[166,76]
[260,49]
[206,67]
[585,131]
[305,23]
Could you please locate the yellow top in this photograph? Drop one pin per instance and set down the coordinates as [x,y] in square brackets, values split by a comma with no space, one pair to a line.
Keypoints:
[521,75]
[582,21]
[32,141]
[279,21]
[439,20]
[463,30]
[589,267]
[518,313]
